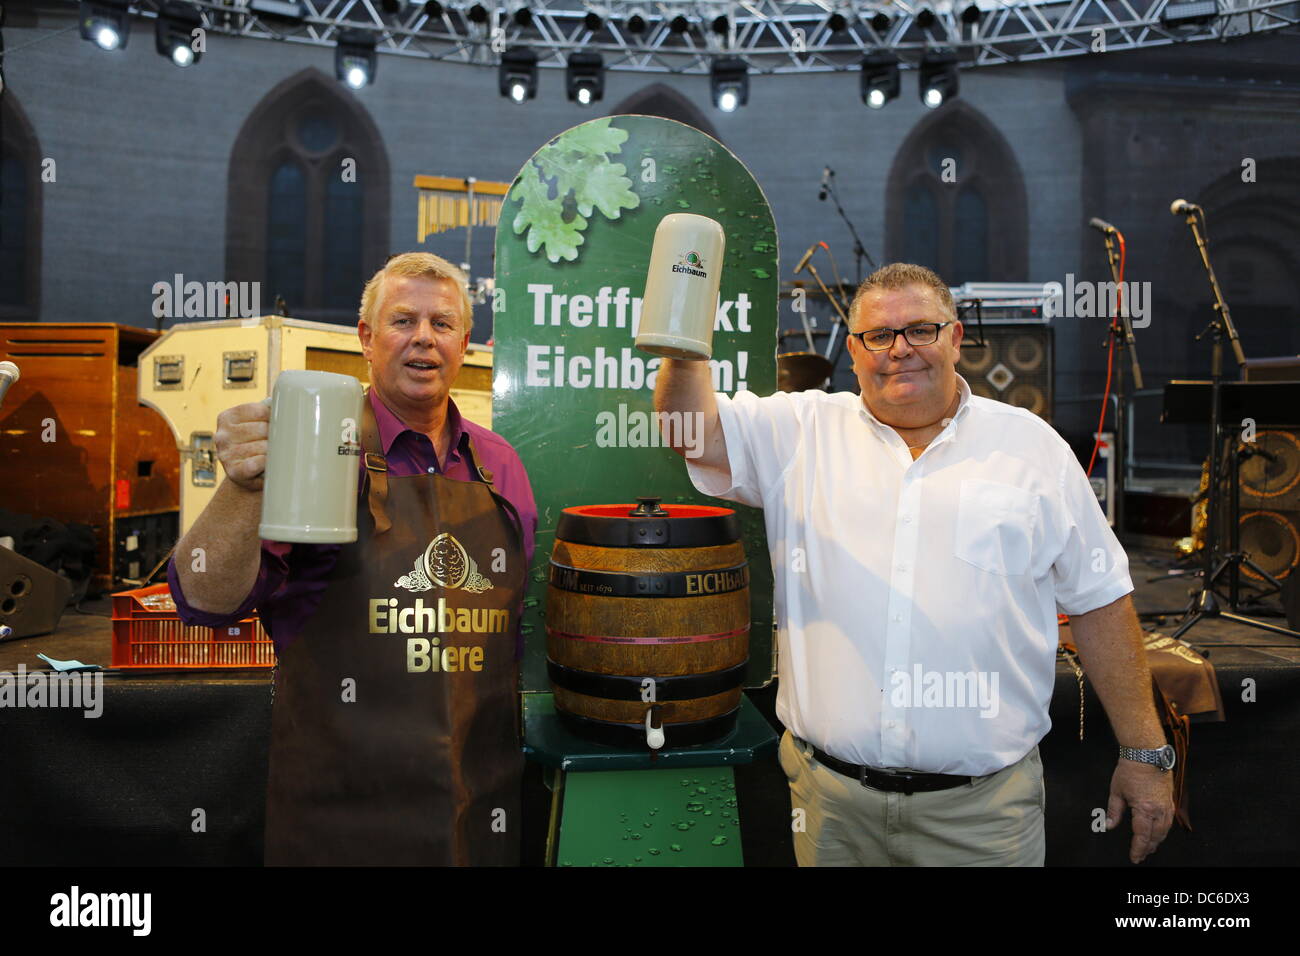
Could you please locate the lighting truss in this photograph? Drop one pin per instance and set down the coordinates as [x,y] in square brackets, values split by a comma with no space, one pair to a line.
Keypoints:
[771,36]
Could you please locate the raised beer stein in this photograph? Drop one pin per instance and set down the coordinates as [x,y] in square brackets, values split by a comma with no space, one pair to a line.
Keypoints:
[681,288]
[310,491]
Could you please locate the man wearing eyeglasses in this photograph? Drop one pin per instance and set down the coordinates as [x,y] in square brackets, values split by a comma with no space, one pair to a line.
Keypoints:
[922,541]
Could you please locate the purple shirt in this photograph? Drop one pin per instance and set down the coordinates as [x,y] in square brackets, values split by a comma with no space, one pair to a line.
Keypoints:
[293,577]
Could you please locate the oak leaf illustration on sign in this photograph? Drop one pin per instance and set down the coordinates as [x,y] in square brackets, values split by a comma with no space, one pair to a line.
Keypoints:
[568,180]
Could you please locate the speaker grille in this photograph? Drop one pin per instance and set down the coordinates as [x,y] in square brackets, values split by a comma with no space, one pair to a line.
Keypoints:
[1014,366]
[1272,479]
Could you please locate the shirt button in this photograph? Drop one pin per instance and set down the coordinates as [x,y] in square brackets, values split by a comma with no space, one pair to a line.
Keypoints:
[907,519]
[898,618]
[902,567]
[891,723]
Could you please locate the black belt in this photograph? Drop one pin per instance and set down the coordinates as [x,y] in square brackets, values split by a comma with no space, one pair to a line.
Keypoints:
[891,781]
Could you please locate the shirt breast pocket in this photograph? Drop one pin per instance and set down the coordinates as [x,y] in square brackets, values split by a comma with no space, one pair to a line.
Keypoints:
[995,526]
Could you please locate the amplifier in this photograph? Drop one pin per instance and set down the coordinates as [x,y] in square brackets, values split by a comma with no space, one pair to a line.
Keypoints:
[1013,365]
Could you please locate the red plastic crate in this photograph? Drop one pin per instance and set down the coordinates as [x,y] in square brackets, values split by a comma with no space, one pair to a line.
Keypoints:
[147,632]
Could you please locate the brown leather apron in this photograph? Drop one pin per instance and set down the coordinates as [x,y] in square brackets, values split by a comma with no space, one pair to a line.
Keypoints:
[395,722]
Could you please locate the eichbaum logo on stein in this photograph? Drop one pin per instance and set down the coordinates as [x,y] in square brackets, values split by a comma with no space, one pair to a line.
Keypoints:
[691,264]
[446,564]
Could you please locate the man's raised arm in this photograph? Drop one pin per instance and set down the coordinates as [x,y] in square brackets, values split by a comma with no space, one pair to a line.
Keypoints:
[686,387]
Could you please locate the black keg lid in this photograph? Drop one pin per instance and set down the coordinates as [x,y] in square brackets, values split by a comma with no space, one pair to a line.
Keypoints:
[648,525]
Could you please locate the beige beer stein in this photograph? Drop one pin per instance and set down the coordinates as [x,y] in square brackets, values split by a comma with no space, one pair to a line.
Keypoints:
[681,288]
[310,491]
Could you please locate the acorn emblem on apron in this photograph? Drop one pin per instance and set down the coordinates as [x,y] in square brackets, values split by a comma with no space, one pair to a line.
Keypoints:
[446,564]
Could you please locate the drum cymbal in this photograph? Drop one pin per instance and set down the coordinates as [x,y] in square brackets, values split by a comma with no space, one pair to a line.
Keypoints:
[801,371]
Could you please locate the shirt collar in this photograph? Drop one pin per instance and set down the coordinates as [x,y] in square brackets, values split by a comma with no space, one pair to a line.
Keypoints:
[963,407]
[390,426]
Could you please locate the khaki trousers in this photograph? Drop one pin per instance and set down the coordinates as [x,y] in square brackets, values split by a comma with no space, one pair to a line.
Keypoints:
[996,821]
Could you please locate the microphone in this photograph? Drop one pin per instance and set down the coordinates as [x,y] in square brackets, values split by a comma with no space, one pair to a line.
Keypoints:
[826,182]
[1181,207]
[1101,225]
[803,263]
[8,375]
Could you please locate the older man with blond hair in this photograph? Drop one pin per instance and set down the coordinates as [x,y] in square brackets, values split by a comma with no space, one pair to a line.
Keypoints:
[394,734]
[923,539]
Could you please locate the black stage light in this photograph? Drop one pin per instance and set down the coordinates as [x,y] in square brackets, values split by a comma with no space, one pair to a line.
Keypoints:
[836,22]
[636,23]
[478,13]
[925,19]
[679,24]
[105,23]
[592,21]
[938,79]
[355,60]
[517,76]
[523,17]
[720,26]
[391,6]
[1187,14]
[880,79]
[729,82]
[433,9]
[174,33]
[584,78]
[880,21]
[971,14]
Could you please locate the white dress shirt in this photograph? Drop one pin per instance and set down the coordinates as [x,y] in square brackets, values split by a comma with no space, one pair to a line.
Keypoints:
[916,601]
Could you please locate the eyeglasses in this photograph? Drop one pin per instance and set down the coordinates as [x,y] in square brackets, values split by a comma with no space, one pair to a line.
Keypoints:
[879,340]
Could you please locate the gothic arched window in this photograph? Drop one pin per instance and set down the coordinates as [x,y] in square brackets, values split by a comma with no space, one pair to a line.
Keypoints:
[956,200]
[307,214]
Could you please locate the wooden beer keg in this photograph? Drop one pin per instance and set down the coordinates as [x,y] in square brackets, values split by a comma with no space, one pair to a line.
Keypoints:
[647,622]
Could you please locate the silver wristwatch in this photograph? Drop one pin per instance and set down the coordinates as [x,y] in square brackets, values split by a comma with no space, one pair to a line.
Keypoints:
[1163,758]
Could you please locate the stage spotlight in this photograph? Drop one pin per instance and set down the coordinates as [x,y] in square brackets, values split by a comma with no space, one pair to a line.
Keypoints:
[478,13]
[105,23]
[523,17]
[971,14]
[433,9]
[174,33]
[391,6]
[679,24]
[636,23]
[938,79]
[880,21]
[880,79]
[517,76]
[1187,14]
[729,81]
[584,78]
[925,19]
[355,61]
[720,26]
[836,22]
[592,21]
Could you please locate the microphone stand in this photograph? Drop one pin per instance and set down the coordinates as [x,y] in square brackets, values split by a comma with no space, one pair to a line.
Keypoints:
[1121,331]
[1205,603]
[859,252]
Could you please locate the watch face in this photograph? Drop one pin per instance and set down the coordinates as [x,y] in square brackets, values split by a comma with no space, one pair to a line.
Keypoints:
[1166,757]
